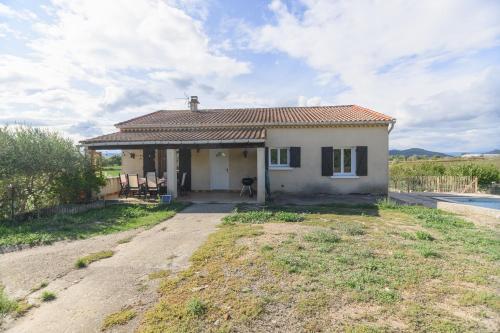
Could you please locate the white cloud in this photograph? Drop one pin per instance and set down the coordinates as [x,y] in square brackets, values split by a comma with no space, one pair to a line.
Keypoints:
[6,11]
[93,62]
[81,66]
[313,101]
[386,53]
[127,34]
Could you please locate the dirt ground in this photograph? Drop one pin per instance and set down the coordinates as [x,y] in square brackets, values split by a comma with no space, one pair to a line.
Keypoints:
[86,296]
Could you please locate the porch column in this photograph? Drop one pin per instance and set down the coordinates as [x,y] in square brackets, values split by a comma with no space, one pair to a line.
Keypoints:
[172,172]
[261,175]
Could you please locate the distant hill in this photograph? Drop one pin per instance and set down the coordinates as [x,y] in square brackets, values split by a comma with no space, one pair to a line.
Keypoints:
[494,151]
[416,152]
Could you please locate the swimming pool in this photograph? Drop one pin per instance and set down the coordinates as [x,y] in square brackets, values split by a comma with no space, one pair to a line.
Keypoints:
[485,202]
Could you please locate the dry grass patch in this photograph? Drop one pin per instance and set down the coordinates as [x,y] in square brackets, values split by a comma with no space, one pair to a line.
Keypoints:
[164,273]
[346,269]
[6,304]
[118,318]
[16,308]
[88,259]
[213,293]
[125,240]
[42,285]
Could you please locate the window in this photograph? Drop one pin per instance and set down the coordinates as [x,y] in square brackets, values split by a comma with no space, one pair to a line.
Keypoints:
[279,157]
[344,161]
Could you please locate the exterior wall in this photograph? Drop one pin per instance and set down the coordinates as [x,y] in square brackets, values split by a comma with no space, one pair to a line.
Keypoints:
[132,165]
[200,170]
[308,179]
[239,167]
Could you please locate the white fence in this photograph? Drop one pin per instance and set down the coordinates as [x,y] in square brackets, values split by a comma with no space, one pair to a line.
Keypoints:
[458,184]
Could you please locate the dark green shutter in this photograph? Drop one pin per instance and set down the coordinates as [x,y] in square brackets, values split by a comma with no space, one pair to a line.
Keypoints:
[295,157]
[148,160]
[267,158]
[362,161]
[185,166]
[267,182]
[327,161]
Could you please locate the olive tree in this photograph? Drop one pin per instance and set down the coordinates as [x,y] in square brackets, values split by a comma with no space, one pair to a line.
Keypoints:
[44,169]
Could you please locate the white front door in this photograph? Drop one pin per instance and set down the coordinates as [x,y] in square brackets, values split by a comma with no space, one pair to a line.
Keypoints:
[219,169]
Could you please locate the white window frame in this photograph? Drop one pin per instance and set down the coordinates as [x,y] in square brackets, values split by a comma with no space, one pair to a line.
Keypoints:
[343,174]
[279,166]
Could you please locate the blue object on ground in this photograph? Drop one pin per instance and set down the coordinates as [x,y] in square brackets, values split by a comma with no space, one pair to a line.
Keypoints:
[166,198]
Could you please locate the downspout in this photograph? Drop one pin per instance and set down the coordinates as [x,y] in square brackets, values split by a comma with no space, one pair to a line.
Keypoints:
[391,126]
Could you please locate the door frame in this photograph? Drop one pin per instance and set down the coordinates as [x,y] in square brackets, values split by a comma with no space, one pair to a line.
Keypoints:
[148,160]
[213,169]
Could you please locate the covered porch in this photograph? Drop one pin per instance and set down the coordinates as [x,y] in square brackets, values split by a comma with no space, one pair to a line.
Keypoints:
[210,170]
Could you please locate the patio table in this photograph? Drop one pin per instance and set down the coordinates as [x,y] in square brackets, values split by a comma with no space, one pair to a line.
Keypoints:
[161,181]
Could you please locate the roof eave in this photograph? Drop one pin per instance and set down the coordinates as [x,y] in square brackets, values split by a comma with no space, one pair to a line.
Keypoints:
[192,142]
[253,125]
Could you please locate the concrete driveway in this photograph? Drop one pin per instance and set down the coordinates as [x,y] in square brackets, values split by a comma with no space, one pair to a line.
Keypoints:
[86,296]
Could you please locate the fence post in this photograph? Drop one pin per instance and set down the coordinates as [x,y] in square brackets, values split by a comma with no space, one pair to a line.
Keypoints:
[12,191]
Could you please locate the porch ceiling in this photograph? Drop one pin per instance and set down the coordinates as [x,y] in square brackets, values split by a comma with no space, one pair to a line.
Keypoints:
[180,137]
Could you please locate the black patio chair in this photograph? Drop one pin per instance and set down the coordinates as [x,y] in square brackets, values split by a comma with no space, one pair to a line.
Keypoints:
[152,186]
[123,186]
[134,187]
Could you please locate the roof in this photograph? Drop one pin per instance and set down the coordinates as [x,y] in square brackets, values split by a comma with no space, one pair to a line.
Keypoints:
[186,136]
[314,115]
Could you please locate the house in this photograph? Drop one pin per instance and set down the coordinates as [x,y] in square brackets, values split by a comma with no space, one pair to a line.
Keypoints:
[309,150]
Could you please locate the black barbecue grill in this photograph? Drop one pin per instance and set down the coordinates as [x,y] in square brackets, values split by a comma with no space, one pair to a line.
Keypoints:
[247,186]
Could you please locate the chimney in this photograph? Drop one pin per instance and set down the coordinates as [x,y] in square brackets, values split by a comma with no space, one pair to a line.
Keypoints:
[193,103]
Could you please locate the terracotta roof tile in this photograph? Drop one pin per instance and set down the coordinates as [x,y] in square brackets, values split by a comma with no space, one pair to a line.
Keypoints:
[185,135]
[257,116]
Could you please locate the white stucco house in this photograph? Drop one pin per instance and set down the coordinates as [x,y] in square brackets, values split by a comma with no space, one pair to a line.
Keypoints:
[321,149]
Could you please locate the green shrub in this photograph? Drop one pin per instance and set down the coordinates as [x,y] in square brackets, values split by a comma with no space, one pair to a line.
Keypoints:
[428,252]
[322,237]
[289,217]
[259,216]
[6,305]
[387,203]
[486,174]
[262,216]
[266,248]
[88,259]
[45,170]
[48,296]
[407,235]
[422,235]
[196,307]
[80,263]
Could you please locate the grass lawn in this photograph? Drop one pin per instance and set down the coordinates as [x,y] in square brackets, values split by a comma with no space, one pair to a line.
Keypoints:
[112,170]
[94,222]
[378,268]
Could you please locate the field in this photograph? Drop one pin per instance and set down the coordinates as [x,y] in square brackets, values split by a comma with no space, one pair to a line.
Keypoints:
[381,268]
[111,171]
[485,170]
[454,161]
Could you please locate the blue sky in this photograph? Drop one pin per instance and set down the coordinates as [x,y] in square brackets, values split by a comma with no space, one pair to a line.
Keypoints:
[81,66]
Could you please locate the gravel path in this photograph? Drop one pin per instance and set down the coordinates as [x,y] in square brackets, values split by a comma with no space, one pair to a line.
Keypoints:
[86,296]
